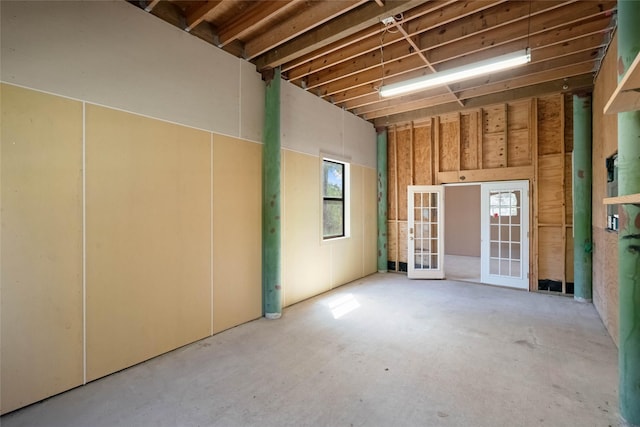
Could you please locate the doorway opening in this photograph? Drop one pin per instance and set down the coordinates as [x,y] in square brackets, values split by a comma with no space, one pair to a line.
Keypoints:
[486,233]
[462,232]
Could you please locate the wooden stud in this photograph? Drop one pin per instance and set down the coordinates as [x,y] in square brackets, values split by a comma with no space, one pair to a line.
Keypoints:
[533,209]
[564,205]
[411,159]
[480,136]
[505,144]
[436,151]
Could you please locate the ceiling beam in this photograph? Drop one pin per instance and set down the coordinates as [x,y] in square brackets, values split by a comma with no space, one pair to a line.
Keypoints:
[411,66]
[421,55]
[371,38]
[247,22]
[150,5]
[313,15]
[199,12]
[434,35]
[342,26]
[572,84]
[578,63]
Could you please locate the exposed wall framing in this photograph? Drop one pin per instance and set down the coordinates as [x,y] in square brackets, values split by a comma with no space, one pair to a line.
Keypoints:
[525,139]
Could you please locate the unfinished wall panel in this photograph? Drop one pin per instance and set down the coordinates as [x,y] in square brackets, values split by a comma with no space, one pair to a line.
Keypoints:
[392,175]
[551,261]
[402,248]
[605,144]
[550,129]
[568,189]
[41,246]
[469,141]
[404,170]
[301,277]
[519,140]
[449,139]
[550,190]
[494,137]
[237,290]
[148,186]
[423,171]
[523,139]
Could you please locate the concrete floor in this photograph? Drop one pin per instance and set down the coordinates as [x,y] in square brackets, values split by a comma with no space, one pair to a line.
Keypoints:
[409,353]
[462,268]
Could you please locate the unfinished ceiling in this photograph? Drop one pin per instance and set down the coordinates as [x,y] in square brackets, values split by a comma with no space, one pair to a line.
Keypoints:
[342,51]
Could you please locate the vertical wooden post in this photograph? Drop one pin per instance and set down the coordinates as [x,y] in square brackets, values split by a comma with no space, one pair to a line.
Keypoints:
[581,174]
[271,243]
[411,156]
[564,203]
[629,227]
[533,135]
[381,143]
[506,135]
[436,151]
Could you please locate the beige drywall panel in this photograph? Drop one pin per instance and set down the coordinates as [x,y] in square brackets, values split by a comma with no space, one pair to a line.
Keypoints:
[237,232]
[252,92]
[41,274]
[462,225]
[347,254]
[115,54]
[359,140]
[306,261]
[310,124]
[370,221]
[148,238]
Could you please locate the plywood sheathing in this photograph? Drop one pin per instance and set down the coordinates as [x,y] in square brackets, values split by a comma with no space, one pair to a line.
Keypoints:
[605,249]
[497,142]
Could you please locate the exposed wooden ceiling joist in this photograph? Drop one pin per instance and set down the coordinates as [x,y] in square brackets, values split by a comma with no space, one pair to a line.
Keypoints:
[342,26]
[341,51]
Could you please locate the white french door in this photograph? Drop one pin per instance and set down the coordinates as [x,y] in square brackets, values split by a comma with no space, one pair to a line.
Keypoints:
[505,234]
[425,232]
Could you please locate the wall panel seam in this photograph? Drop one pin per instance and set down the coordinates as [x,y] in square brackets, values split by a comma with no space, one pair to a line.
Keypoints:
[84,245]
[84,101]
[211,231]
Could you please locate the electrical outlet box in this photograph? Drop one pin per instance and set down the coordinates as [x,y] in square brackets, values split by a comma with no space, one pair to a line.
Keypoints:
[388,20]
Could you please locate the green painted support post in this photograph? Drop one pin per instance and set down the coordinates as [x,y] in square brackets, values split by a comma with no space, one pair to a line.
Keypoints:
[381,141]
[582,238]
[271,244]
[629,225]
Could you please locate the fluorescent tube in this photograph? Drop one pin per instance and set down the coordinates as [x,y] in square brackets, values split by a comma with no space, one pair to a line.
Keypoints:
[464,72]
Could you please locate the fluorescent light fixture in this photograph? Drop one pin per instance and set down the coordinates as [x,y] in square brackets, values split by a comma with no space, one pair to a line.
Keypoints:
[464,72]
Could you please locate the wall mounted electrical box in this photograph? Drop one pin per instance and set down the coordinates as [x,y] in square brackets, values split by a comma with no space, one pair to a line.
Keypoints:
[612,191]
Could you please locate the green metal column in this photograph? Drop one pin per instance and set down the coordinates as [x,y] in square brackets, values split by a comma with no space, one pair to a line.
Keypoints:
[629,225]
[271,284]
[381,140]
[582,240]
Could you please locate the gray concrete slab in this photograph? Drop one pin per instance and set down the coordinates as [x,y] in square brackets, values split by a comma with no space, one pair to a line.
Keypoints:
[403,353]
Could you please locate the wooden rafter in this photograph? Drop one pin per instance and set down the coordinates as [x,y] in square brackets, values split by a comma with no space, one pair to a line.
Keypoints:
[150,5]
[430,15]
[315,14]
[339,50]
[200,12]
[342,26]
[253,18]
[417,49]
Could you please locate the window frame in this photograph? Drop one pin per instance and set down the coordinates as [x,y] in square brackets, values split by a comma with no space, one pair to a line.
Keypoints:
[344,199]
